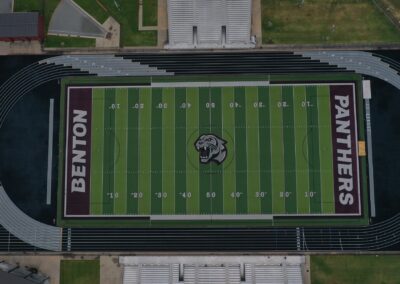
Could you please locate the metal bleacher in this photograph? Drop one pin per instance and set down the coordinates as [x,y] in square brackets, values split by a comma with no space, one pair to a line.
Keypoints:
[209,24]
[192,270]
[105,65]
[209,17]
[361,62]
[195,274]
[238,31]
[152,274]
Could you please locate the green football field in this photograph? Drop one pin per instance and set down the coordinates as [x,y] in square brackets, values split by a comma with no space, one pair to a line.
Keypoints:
[266,149]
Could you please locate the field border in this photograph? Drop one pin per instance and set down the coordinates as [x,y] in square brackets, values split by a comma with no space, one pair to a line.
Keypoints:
[306,220]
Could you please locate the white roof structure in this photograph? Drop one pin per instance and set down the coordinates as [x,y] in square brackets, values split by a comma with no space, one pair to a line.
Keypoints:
[209,24]
[214,269]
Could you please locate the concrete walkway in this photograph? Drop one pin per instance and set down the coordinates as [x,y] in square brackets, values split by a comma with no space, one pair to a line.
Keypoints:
[256,21]
[20,47]
[70,19]
[141,27]
[162,18]
[113,34]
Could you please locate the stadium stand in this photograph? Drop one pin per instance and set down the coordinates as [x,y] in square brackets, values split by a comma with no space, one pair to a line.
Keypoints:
[27,229]
[151,274]
[216,269]
[270,274]
[105,65]
[232,63]
[209,24]
[361,62]
[203,274]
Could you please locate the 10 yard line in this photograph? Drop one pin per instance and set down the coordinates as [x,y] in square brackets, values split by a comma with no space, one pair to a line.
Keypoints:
[50,151]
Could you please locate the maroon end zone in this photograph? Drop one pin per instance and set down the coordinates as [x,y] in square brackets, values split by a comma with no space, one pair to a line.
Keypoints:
[345,151]
[77,154]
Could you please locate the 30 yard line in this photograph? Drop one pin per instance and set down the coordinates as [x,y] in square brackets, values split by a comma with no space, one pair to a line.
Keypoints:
[265,150]
[253,151]
[168,151]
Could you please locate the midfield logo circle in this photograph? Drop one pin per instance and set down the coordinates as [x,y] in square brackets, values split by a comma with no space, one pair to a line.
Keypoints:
[211,148]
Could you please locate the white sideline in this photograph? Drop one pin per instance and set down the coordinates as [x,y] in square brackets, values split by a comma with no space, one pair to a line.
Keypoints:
[50,151]
[210,84]
[370,159]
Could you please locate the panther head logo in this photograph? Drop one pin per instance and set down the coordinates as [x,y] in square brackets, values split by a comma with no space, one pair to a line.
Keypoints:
[211,148]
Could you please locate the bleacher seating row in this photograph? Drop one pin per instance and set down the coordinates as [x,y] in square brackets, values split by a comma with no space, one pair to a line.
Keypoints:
[105,65]
[361,62]
[209,23]
[213,274]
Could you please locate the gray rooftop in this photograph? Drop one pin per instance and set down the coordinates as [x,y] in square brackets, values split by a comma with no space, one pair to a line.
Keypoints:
[19,24]
[6,6]
[12,279]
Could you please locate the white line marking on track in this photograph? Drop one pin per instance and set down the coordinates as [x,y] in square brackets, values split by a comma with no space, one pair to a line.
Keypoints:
[50,151]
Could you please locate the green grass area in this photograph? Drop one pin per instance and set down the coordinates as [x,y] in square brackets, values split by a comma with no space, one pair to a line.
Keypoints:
[325,22]
[80,272]
[62,41]
[27,6]
[126,14]
[349,269]
[150,12]
[95,9]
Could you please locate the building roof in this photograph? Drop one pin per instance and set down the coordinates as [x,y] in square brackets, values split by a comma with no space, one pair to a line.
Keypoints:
[12,279]
[18,25]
